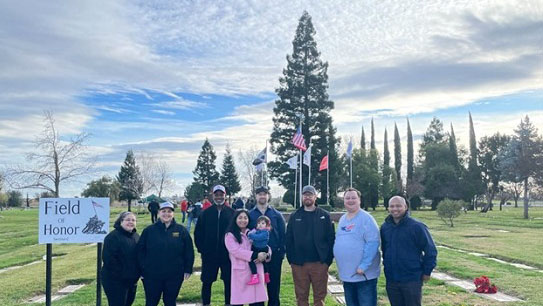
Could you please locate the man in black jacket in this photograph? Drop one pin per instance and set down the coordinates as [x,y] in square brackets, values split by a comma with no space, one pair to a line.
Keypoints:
[310,242]
[165,256]
[209,239]
[153,209]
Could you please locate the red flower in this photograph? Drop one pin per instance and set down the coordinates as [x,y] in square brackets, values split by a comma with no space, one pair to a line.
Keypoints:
[482,285]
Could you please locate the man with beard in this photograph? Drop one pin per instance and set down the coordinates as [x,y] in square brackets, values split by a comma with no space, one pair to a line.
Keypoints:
[209,239]
[310,241]
[276,242]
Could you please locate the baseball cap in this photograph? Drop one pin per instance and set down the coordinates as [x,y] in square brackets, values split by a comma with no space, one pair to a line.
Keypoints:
[166,205]
[262,189]
[219,188]
[310,189]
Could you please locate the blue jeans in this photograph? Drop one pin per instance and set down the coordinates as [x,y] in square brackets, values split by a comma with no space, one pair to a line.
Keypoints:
[189,222]
[362,293]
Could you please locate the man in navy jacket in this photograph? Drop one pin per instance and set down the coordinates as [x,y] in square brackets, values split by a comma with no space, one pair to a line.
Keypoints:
[276,242]
[409,254]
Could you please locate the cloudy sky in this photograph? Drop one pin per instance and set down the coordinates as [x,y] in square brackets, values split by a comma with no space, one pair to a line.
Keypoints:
[162,76]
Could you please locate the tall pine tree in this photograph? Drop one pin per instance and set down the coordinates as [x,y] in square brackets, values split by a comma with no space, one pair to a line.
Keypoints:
[386,184]
[130,180]
[229,176]
[374,167]
[410,153]
[473,181]
[205,172]
[362,140]
[453,150]
[303,90]
[397,158]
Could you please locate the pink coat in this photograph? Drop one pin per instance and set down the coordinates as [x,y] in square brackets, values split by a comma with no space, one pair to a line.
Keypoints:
[240,255]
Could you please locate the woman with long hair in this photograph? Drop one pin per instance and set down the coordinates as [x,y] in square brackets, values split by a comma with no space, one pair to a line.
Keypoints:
[239,250]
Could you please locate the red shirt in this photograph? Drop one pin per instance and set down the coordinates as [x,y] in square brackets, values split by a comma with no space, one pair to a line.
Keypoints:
[184,205]
[206,204]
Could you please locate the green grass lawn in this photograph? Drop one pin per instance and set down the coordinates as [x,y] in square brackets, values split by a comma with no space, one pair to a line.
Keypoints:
[473,231]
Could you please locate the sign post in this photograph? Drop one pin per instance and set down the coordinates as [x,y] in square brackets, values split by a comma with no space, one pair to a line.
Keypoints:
[72,220]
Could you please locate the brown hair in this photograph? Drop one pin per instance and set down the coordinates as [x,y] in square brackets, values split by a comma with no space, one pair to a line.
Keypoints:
[265,219]
[355,190]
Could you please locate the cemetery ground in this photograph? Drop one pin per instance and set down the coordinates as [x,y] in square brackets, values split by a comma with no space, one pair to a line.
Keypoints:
[502,235]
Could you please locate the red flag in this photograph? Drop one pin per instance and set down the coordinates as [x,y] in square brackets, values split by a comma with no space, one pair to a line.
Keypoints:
[298,140]
[324,163]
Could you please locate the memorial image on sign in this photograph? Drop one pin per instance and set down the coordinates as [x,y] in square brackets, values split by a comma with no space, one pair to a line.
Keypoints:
[73,220]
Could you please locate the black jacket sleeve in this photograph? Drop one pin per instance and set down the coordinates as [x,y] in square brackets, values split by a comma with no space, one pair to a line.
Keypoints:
[281,230]
[110,256]
[331,237]
[199,233]
[188,255]
[141,249]
[289,238]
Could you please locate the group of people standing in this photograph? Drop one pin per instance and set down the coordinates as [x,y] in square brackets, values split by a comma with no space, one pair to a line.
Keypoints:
[248,247]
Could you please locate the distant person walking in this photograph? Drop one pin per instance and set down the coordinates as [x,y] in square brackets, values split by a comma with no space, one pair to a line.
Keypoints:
[120,272]
[184,207]
[153,209]
[310,241]
[193,211]
[166,257]
[356,250]
[409,254]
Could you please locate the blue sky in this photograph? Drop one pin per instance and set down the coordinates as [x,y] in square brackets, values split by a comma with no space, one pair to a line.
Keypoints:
[159,77]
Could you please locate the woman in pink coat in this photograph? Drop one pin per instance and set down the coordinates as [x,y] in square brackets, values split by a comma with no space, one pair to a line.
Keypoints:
[239,249]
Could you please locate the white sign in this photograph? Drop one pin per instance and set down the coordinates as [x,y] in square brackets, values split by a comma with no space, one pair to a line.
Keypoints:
[77,220]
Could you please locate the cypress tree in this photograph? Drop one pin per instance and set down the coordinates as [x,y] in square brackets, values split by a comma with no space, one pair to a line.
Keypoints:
[229,176]
[303,90]
[397,157]
[130,180]
[372,141]
[205,172]
[453,150]
[410,152]
[386,188]
[363,140]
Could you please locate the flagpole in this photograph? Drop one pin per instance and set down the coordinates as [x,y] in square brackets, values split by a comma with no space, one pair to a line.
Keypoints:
[295,185]
[309,176]
[301,169]
[327,178]
[351,167]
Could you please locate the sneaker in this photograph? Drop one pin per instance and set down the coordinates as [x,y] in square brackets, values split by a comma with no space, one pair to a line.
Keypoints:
[267,277]
[254,280]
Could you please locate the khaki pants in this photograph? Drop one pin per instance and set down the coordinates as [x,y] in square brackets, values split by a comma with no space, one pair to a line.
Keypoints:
[314,274]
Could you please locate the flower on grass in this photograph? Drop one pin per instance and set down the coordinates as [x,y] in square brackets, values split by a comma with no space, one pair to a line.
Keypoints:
[482,285]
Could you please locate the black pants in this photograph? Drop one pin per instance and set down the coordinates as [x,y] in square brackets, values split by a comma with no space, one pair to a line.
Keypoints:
[252,265]
[119,293]
[154,217]
[275,279]
[404,294]
[210,269]
[168,288]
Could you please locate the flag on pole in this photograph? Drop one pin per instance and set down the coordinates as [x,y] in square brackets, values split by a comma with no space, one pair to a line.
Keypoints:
[350,148]
[96,204]
[293,162]
[307,156]
[260,167]
[298,140]
[324,163]
[260,158]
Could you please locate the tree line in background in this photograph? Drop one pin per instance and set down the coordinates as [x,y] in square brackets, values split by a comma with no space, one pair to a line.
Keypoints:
[498,166]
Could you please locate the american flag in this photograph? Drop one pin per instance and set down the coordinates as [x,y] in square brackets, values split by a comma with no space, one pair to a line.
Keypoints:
[96,204]
[298,140]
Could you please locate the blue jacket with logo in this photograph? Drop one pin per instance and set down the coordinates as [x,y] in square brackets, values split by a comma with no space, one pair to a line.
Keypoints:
[408,249]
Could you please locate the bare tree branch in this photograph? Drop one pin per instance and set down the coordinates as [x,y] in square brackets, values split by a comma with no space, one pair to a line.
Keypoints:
[53,161]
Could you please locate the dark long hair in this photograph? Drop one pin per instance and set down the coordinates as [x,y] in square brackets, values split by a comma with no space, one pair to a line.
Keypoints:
[233,226]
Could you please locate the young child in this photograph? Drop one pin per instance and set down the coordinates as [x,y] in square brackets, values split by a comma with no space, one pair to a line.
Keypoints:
[259,238]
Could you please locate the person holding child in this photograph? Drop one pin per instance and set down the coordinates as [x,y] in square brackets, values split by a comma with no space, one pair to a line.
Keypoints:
[239,251]
[259,238]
